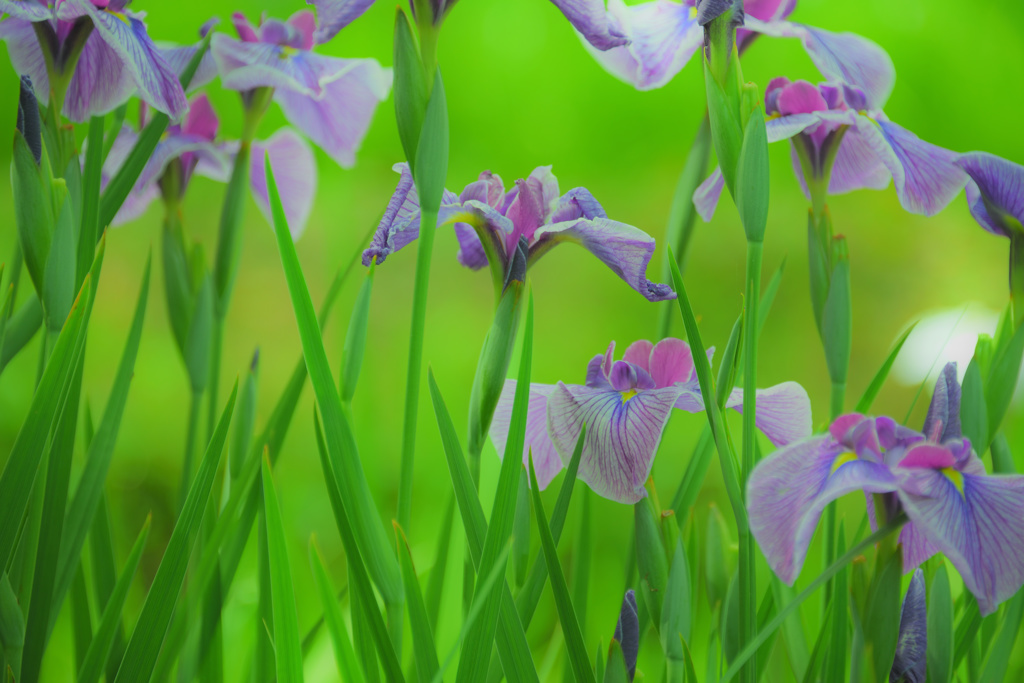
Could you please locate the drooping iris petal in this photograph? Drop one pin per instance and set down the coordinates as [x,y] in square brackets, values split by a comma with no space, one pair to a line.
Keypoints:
[30,10]
[975,521]
[622,435]
[339,119]
[788,490]
[925,176]
[178,57]
[545,457]
[911,659]
[663,35]
[707,194]
[943,420]
[590,18]
[466,214]
[334,15]
[246,65]
[173,147]
[783,411]
[100,84]
[24,52]
[846,57]
[294,172]
[623,248]
[996,193]
[916,546]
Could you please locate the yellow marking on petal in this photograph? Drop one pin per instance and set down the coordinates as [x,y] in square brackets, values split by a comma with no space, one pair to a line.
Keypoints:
[848,456]
[626,395]
[120,15]
[287,51]
[954,476]
[693,13]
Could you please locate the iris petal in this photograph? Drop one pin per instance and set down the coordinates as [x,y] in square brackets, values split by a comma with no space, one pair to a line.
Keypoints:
[545,457]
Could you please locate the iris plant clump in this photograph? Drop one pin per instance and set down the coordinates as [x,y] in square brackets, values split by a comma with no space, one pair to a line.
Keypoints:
[923,583]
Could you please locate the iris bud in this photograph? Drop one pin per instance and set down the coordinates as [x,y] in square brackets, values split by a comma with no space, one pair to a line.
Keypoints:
[651,558]
[837,317]
[245,418]
[627,633]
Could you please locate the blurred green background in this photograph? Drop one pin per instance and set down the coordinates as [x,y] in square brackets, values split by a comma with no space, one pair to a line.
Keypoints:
[523,92]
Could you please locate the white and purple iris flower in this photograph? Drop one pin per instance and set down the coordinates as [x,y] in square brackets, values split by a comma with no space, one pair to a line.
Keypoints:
[331,100]
[625,405]
[953,507]
[647,44]
[840,132]
[491,223]
[192,148]
[103,42]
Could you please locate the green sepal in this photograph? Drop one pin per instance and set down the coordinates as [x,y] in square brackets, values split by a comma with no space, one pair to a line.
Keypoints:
[410,87]
[752,177]
[33,209]
[431,165]
[650,558]
[355,339]
[837,318]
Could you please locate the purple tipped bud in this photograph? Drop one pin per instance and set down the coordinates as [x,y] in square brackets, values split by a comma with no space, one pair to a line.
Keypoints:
[627,631]
[709,10]
[28,118]
[910,663]
[517,264]
[943,420]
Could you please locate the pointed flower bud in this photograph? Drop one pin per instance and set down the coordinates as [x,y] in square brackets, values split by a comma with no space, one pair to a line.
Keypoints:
[627,632]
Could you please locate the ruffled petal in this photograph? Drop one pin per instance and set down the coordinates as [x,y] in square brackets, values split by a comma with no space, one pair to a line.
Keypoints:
[998,181]
[589,17]
[178,57]
[545,458]
[788,490]
[466,214]
[975,521]
[622,436]
[338,120]
[783,412]
[295,173]
[244,66]
[334,15]
[671,362]
[663,36]
[911,659]
[856,167]
[623,248]
[639,354]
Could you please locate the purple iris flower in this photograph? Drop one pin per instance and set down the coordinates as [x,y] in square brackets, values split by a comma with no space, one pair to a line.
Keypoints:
[190,147]
[840,133]
[995,192]
[626,405]
[117,58]
[910,665]
[490,223]
[647,44]
[934,477]
[330,99]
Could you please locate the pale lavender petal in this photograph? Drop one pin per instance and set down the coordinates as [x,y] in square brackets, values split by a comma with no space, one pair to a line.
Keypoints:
[100,84]
[590,18]
[173,147]
[856,166]
[623,248]
[783,412]
[788,490]
[400,224]
[334,15]
[911,659]
[142,194]
[338,121]
[294,172]
[845,57]
[663,36]
[244,66]
[943,420]
[178,57]
[488,189]
[997,180]
[707,194]
[925,176]
[29,10]
[467,214]
[980,530]
[25,54]
[622,437]
[916,546]
[577,203]
[639,354]
[785,127]
[531,206]
[545,458]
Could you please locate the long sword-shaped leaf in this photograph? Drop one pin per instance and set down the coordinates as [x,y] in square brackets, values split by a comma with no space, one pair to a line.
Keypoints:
[83,505]
[499,530]
[437,572]
[341,443]
[20,328]
[110,623]
[940,628]
[360,580]
[287,647]
[345,655]
[91,194]
[424,649]
[864,404]
[124,180]
[998,658]
[151,627]
[513,649]
[577,649]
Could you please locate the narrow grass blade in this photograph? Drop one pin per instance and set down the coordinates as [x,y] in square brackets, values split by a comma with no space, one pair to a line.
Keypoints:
[966,630]
[151,627]
[768,296]
[91,178]
[12,630]
[345,656]
[104,574]
[355,339]
[693,478]
[437,572]
[997,660]
[424,649]
[345,466]
[817,660]
[940,628]
[521,534]
[81,617]
[121,184]
[864,404]
[360,580]
[110,623]
[513,649]
[835,662]
[499,530]
[264,662]
[287,645]
[576,648]
[20,328]
[86,500]
[751,647]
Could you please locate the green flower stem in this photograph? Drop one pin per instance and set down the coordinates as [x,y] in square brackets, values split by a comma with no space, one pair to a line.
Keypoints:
[1017,277]
[747,549]
[190,445]
[424,250]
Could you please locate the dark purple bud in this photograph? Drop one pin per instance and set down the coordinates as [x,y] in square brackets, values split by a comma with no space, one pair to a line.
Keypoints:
[627,632]
[255,360]
[517,264]
[709,10]
[28,118]
[943,420]
[911,661]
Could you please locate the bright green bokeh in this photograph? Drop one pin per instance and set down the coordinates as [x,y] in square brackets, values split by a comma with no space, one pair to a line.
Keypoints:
[523,92]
